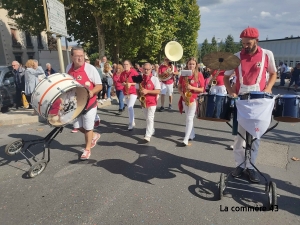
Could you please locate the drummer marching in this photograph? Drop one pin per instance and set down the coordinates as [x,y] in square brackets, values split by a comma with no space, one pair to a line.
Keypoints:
[250,76]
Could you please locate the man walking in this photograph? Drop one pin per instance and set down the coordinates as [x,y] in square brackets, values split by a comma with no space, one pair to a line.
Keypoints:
[19,73]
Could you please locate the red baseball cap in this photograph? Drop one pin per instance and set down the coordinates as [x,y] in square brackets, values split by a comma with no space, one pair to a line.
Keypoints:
[249,32]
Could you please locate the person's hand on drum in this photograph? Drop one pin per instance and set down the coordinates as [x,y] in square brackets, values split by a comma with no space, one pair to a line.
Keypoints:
[267,90]
[233,95]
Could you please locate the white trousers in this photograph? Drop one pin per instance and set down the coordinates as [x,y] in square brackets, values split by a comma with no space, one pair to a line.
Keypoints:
[218,89]
[239,151]
[149,114]
[130,104]
[189,121]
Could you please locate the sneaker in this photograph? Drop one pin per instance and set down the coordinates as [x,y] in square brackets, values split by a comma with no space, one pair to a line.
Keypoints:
[120,111]
[109,99]
[237,172]
[131,126]
[96,123]
[100,101]
[147,139]
[161,109]
[231,147]
[75,130]
[170,107]
[104,100]
[253,175]
[85,155]
[95,139]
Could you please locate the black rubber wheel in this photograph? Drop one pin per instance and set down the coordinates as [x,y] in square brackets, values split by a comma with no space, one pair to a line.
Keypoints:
[14,147]
[37,168]
[272,195]
[221,186]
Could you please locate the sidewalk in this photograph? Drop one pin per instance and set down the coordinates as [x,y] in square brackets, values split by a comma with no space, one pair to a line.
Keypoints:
[24,116]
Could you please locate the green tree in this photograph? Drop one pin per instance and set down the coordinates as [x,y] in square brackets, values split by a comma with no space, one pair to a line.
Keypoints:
[205,48]
[213,45]
[230,46]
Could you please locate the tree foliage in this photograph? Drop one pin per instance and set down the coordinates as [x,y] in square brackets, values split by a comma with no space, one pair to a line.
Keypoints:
[130,29]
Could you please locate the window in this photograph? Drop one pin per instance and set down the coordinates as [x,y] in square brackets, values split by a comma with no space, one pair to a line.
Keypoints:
[15,42]
[40,42]
[30,55]
[291,63]
[18,57]
[28,40]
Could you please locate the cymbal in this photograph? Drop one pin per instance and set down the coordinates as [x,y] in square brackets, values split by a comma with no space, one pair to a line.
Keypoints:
[221,60]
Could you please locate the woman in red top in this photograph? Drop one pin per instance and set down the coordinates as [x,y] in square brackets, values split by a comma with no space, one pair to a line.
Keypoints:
[219,88]
[129,90]
[119,87]
[194,85]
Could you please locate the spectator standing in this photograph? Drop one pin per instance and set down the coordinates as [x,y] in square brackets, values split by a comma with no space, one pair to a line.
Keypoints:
[19,73]
[49,70]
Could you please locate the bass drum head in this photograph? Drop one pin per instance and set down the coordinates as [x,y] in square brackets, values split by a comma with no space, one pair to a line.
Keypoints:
[66,107]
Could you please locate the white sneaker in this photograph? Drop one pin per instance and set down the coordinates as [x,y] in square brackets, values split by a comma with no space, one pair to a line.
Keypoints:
[104,100]
[147,139]
[231,147]
[100,101]
[109,99]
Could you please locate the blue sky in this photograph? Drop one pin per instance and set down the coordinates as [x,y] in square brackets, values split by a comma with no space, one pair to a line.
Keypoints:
[273,18]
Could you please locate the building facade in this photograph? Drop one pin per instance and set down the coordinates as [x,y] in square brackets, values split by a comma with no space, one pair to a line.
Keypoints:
[18,45]
[285,50]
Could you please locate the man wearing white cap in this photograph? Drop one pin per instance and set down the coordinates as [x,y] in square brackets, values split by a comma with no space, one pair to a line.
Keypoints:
[250,76]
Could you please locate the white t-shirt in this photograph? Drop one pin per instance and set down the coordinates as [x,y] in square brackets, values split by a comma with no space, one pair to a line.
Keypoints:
[155,82]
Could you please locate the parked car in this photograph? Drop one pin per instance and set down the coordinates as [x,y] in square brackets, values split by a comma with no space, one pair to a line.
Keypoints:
[7,87]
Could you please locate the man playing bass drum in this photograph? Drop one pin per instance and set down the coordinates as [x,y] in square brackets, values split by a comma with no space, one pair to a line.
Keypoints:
[250,76]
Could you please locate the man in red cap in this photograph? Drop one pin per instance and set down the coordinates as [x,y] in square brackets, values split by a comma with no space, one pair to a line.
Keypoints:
[251,75]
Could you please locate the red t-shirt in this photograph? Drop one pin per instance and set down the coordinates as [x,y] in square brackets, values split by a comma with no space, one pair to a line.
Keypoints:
[250,69]
[128,74]
[219,78]
[162,69]
[118,85]
[193,83]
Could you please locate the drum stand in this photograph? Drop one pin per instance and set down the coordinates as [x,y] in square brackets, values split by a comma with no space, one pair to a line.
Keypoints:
[270,187]
[21,146]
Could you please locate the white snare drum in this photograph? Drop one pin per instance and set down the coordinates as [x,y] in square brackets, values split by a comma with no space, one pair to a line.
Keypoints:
[59,99]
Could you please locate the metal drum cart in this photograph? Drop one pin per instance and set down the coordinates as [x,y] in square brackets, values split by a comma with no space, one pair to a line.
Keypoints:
[59,99]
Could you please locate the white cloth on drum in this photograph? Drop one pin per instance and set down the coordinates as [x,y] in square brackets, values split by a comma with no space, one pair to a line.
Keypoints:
[189,121]
[239,151]
[218,89]
[130,104]
[149,114]
[254,115]
[87,120]
[167,89]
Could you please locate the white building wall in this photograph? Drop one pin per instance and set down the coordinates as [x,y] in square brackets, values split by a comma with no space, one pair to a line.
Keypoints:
[284,50]
[7,51]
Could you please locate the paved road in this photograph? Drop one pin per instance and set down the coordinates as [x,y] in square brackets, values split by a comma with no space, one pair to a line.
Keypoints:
[128,182]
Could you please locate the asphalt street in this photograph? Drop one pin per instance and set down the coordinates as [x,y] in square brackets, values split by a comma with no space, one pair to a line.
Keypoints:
[129,182]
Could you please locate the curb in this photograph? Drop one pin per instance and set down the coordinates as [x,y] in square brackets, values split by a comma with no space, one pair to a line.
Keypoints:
[24,116]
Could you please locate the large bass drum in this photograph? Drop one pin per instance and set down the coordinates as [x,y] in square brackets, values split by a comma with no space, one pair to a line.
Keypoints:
[287,108]
[214,107]
[59,99]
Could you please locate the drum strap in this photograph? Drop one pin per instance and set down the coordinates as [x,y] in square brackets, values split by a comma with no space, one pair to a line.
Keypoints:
[89,108]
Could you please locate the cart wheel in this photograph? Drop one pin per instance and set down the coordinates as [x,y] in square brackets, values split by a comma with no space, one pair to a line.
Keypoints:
[14,147]
[272,195]
[37,168]
[221,185]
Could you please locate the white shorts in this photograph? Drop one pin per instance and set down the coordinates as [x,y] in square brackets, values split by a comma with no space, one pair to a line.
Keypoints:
[166,89]
[87,120]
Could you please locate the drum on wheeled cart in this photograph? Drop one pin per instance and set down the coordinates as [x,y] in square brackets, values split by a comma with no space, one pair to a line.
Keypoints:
[222,108]
[59,99]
